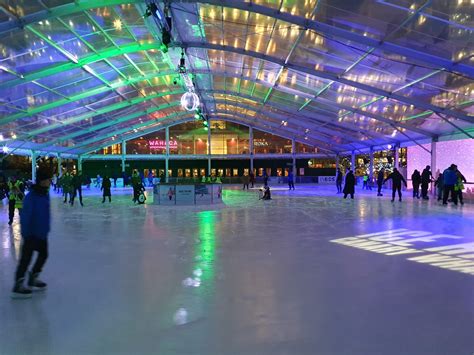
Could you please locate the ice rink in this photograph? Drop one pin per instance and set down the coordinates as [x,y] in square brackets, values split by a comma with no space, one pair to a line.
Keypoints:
[305,273]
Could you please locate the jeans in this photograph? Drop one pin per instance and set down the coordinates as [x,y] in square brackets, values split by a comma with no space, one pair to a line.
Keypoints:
[74,194]
[396,188]
[416,190]
[291,185]
[447,190]
[424,189]
[11,210]
[27,248]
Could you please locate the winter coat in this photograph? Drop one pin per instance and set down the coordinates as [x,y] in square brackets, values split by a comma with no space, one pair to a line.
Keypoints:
[426,176]
[106,184]
[450,177]
[416,178]
[35,216]
[397,179]
[349,185]
[339,177]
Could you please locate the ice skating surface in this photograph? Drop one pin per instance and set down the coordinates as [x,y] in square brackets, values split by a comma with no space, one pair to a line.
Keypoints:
[253,277]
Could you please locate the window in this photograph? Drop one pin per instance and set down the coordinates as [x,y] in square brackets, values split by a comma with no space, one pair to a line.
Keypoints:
[187,173]
[180,172]
[203,172]
[301,171]
[220,172]
[227,172]
[236,172]
[195,173]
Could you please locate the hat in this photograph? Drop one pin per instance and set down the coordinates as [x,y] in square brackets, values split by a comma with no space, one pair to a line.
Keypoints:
[43,174]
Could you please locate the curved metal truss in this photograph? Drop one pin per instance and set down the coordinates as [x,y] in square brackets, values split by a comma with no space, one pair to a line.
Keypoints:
[77,76]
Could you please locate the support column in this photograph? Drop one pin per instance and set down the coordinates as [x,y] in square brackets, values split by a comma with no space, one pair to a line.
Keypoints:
[293,154]
[60,161]
[371,164]
[433,162]
[79,163]
[353,161]
[124,152]
[167,154]
[33,166]
[209,151]
[396,162]
[251,148]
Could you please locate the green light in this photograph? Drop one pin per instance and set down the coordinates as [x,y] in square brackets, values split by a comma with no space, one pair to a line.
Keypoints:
[206,123]
[205,128]
[164,48]
[197,116]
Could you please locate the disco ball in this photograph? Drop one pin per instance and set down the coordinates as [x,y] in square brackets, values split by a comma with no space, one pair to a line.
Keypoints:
[190,101]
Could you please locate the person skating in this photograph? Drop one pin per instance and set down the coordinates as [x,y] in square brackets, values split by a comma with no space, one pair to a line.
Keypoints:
[291,180]
[66,183]
[349,184]
[397,179]
[380,178]
[450,179]
[76,182]
[426,179]
[15,197]
[35,220]
[416,181]
[136,181]
[339,180]
[266,194]
[252,179]
[105,188]
[365,184]
[245,181]
[439,184]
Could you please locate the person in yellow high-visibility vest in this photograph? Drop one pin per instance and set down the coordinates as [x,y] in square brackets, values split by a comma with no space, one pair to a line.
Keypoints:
[15,198]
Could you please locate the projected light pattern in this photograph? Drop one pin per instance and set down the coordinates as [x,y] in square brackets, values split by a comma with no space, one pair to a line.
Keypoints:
[459,152]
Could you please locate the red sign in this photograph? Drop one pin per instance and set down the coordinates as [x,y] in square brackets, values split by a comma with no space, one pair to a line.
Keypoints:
[161,144]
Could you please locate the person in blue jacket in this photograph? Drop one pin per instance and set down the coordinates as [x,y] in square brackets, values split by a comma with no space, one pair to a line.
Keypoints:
[35,221]
[450,179]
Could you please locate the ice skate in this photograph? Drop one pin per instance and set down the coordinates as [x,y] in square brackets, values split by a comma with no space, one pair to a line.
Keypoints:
[20,291]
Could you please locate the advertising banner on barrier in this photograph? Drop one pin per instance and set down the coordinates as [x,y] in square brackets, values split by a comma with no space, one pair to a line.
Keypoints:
[326,180]
[185,194]
[167,195]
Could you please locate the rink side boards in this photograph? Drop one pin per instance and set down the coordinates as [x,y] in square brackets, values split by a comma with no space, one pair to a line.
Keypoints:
[441,250]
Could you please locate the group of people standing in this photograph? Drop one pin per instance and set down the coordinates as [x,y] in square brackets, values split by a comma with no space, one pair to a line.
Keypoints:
[449,184]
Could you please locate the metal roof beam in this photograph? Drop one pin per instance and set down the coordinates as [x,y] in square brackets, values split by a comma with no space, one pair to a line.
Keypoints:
[83,5]
[330,76]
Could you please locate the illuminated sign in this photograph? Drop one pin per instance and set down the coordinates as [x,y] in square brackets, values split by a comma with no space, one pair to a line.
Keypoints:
[260,142]
[161,144]
[436,249]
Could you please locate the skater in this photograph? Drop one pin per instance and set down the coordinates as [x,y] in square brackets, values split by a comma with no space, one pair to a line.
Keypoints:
[426,179]
[15,197]
[291,182]
[266,193]
[150,178]
[439,184]
[76,183]
[365,184]
[349,184]
[35,225]
[136,181]
[380,178]
[66,183]
[170,194]
[251,179]
[450,179]
[397,179]
[265,178]
[339,180]
[245,181]
[416,181]
[459,185]
[106,185]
